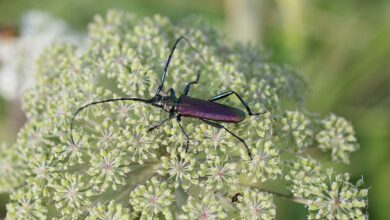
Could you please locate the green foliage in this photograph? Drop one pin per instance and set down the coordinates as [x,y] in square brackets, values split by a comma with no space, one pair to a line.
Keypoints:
[117,169]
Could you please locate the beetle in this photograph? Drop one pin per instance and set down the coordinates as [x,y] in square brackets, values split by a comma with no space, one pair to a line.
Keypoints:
[208,111]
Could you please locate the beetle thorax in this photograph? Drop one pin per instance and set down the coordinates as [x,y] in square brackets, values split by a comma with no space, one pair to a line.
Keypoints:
[168,103]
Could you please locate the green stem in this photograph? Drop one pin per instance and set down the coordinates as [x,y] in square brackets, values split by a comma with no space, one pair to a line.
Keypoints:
[280,195]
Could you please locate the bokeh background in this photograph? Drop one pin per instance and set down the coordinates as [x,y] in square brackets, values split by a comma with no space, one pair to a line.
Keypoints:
[341,47]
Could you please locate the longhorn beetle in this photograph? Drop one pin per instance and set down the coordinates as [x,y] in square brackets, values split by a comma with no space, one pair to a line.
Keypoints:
[208,111]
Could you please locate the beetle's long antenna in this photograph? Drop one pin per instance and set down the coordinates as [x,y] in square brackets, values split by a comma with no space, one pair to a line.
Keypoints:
[170,57]
[101,102]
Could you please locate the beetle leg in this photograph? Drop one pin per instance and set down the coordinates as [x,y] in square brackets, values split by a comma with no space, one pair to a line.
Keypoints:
[234,135]
[171,92]
[187,89]
[160,87]
[226,94]
[161,122]
[178,118]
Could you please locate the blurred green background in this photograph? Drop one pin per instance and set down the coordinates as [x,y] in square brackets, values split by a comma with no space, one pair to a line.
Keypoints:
[342,48]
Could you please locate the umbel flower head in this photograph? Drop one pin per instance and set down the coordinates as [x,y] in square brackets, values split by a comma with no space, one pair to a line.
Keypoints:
[338,137]
[116,169]
[329,195]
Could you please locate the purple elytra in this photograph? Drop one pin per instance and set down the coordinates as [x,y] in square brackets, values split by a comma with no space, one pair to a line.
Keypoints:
[198,108]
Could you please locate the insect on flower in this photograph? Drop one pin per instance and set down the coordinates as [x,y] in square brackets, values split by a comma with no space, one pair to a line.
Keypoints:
[208,111]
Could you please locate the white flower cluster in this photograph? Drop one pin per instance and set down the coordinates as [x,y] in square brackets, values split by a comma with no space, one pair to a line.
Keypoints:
[117,169]
[337,136]
[327,195]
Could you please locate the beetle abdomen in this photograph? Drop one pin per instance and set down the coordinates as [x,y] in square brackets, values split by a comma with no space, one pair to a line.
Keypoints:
[198,108]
